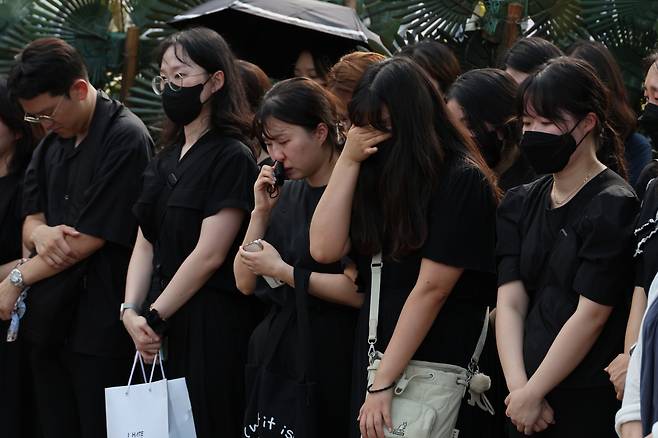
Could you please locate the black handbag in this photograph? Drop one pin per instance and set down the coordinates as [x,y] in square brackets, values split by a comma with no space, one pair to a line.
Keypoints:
[278,405]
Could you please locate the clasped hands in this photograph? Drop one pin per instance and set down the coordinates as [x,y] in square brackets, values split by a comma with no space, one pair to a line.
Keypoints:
[528,411]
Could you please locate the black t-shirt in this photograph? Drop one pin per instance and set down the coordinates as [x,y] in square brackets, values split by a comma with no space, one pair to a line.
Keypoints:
[92,188]
[649,172]
[646,256]
[10,218]
[521,172]
[217,172]
[288,232]
[461,224]
[583,248]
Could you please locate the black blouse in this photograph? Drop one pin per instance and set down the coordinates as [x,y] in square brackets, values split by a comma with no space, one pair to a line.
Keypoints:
[10,218]
[583,248]
[647,238]
[217,172]
[461,223]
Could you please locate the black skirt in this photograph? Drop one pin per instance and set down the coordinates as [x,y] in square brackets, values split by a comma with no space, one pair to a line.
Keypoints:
[207,344]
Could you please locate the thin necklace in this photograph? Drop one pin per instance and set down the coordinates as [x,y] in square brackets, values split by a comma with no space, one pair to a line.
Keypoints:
[571,194]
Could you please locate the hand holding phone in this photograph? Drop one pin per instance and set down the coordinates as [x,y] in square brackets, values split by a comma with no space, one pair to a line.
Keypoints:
[279,179]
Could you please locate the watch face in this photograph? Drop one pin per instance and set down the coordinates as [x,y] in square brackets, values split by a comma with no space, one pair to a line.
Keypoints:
[15,277]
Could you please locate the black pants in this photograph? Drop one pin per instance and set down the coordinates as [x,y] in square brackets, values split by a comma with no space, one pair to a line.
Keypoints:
[70,390]
[17,409]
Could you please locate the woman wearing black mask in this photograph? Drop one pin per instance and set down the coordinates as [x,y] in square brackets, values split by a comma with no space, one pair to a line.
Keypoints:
[483,100]
[192,212]
[565,268]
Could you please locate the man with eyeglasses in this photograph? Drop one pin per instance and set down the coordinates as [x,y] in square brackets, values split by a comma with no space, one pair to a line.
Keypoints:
[78,193]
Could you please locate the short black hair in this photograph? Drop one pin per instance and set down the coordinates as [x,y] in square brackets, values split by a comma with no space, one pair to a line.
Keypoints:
[528,54]
[46,65]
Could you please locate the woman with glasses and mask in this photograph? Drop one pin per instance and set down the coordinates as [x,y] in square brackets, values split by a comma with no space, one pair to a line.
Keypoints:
[565,268]
[484,101]
[192,212]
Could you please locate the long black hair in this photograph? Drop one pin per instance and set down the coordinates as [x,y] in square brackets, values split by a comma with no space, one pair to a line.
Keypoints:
[229,106]
[488,95]
[301,102]
[393,191]
[569,85]
[622,117]
[12,116]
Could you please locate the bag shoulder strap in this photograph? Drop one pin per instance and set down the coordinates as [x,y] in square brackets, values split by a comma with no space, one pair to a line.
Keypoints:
[376,266]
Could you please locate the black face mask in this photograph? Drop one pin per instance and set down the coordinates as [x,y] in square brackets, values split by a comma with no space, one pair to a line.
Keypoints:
[184,105]
[491,147]
[648,121]
[549,153]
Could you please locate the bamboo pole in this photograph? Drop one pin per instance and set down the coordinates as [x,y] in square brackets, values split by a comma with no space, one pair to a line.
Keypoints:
[129,61]
[511,30]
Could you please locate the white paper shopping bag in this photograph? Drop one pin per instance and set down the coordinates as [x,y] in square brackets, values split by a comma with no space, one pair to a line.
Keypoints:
[181,420]
[137,411]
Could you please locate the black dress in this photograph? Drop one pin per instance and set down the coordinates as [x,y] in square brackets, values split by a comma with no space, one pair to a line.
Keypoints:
[332,325]
[14,381]
[583,248]
[207,337]
[461,222]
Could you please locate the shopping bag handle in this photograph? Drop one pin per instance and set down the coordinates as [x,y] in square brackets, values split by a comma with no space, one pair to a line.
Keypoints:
[158,359]
[132,371]
[138,357]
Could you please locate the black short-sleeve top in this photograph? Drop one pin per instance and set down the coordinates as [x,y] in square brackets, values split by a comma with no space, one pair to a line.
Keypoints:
[217,172]
[646,255]
[92,188]
[582,248]
[288,232]
[461,225]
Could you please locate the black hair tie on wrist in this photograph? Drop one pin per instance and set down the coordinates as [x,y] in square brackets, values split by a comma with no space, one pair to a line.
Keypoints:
[375,391]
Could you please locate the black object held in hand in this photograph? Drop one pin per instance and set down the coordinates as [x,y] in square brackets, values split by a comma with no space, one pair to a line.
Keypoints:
[279,179]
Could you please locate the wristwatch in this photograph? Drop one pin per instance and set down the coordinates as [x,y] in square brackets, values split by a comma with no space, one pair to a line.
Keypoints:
[16,279]
[126,306]
[154,320]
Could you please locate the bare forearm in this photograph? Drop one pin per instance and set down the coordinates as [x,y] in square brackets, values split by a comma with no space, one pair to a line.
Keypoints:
[36,269]
[244,278]
[571,345]
[416,319]
[193,273]
[638,306]
[30,224]
[329,233]
[334,288]
[632,429]
[140,270]
[509,339]
[6,268]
